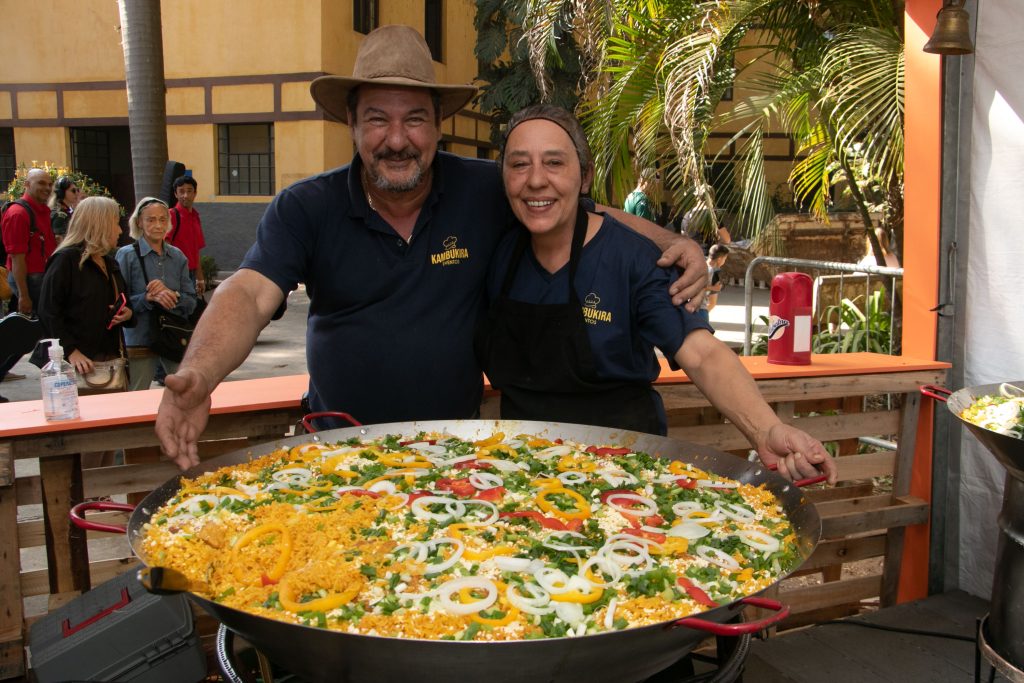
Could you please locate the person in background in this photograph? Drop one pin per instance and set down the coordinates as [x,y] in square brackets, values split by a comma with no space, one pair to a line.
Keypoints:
[393,249]
[163,283]
[81,294]
[66,195]
[638,202]
[578,306]
[717,256]
[187,229]
[29,242]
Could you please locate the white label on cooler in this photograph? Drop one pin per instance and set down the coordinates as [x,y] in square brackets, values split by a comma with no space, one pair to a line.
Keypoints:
[801,333]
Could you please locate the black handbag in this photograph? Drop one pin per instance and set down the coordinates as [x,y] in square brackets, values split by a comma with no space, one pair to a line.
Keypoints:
[169,332]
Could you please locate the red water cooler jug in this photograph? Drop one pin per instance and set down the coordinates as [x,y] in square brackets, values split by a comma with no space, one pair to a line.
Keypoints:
[789,320]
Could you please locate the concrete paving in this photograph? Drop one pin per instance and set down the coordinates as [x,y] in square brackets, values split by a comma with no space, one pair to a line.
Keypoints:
[281,348]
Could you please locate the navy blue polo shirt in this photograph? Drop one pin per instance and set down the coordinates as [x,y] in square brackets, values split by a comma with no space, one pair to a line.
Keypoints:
[390,328]
[625,300]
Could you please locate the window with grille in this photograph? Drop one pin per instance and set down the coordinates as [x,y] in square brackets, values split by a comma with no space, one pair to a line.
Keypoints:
[245,153]
[433,21]
[365,15]
[6,157]
[90,153]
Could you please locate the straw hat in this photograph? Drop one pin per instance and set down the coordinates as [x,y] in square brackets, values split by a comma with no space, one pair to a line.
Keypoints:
[389,55]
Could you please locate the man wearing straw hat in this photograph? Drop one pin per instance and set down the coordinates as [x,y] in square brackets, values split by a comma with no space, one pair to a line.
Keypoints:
[393,249]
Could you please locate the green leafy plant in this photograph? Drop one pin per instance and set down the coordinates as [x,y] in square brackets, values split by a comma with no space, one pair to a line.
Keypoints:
[88,186]
[208,264]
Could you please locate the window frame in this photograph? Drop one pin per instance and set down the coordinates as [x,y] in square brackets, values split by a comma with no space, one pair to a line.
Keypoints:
[265,183]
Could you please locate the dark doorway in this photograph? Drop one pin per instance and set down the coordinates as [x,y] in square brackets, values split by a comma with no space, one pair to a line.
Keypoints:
[104,154]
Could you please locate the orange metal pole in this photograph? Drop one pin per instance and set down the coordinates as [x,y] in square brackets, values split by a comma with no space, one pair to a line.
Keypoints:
[922,197]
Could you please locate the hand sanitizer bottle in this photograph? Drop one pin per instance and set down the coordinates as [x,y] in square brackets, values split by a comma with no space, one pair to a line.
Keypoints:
[60,391]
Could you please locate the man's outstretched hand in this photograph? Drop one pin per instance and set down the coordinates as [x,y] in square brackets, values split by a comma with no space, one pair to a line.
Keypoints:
[797,454]
[687,255]
[182,416]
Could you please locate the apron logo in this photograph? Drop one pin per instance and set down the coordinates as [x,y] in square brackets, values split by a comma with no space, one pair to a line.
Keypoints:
[776,327]
[452,254]
[591,313]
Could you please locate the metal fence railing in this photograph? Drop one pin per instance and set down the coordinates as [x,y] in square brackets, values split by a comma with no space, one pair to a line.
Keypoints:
[815,266]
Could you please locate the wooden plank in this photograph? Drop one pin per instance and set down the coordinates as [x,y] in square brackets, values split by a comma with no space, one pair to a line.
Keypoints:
[907,440]
[106,481]
[845,550]
[32,534]
[6,465]
[37,582]
[30,491]
[905,511]
[270,424]
[841,507]
[807,388]
[824,427]
[819,495]
[805,660]
[866,465]
[851,591]
[12,662]
[66,553]
[816,616]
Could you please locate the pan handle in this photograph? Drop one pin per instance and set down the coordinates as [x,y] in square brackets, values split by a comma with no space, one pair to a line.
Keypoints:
[936,392]
[77,515]
[803,482]
[307,421]
[781,612]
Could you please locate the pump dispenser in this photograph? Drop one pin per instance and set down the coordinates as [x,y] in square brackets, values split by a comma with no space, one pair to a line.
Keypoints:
[60,391]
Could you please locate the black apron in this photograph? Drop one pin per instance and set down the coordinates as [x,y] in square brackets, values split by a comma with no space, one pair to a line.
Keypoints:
[539,357]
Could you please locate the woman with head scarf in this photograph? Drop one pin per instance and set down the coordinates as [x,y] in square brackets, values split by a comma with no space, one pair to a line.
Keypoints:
[158,280]
[578,306]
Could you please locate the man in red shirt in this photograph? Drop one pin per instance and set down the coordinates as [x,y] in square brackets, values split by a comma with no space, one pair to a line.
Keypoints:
[29,246]
[187,230]
[29,242]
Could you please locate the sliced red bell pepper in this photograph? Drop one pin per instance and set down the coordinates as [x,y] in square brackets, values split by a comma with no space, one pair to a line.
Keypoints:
[644,533]
[695,592]
[612,492]
[608,451]
[492,494]
[686,483]
[654,520]
[406,443]
[546,522]
[266,580]
[362,492]
[473,465]
[460,487]
[418,494]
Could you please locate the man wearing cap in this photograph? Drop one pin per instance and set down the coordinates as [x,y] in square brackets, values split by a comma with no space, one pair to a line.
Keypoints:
[394,250]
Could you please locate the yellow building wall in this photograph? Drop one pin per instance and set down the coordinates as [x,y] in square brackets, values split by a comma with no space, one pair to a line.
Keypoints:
[70,31]
[196,147]
[84,104]
[231,38]
[41,144]
[37,104]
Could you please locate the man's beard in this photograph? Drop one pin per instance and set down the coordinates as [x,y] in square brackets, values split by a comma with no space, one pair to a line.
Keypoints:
[385,184]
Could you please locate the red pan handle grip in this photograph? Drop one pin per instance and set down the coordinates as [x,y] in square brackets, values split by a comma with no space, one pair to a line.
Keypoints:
[713,627]
[817,479]
[936,392]
[78,516]
[307,421]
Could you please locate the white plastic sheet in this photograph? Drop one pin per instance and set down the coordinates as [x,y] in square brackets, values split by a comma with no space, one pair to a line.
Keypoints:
[995,280]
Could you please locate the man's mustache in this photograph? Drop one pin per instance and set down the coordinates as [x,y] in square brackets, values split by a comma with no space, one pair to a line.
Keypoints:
[396,156]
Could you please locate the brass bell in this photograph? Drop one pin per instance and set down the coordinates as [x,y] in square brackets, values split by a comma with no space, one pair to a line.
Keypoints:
[952,35]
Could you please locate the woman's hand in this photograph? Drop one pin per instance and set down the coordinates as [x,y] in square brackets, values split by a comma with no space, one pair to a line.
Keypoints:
[158,292]
[83,365]
[123,315]
[797,454]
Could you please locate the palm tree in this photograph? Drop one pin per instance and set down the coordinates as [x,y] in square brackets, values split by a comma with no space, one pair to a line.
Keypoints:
[142,41]
[833,82]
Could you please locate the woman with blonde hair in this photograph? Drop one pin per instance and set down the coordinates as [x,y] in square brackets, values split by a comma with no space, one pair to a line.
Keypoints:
[158,280]
[83,290]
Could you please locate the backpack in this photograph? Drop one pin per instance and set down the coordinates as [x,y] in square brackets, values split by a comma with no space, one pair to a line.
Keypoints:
[32,231]
[176,219]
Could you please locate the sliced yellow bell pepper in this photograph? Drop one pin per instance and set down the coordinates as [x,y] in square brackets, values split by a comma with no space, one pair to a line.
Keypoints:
[547,482]
[511,614]
[262,530]
[216,491]
[286,595]
[577,596]
[401,460]
[493,439]
[745,575]
[582,510]
[679,467]
[672,545]
[574,463]
[487,553]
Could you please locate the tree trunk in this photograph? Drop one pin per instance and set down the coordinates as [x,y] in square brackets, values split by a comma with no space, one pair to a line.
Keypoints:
[142,41]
